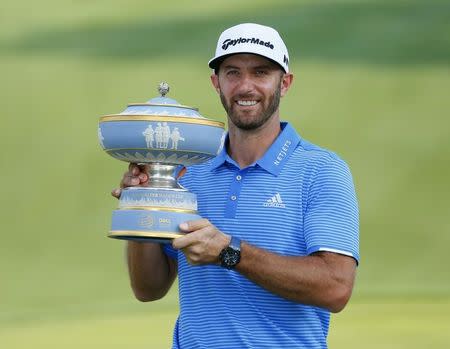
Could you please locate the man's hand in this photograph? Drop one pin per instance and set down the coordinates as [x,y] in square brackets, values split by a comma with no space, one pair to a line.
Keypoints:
[202,243]
[135,176]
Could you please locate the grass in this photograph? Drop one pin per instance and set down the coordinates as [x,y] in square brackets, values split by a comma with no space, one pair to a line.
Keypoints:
[371,83]
[136,330]
[392,324]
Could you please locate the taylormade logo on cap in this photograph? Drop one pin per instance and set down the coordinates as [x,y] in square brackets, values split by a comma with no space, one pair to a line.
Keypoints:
[228,42]
[251,38]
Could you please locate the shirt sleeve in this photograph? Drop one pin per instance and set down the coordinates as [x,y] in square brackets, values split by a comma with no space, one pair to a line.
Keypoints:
[331,219]
[170,251]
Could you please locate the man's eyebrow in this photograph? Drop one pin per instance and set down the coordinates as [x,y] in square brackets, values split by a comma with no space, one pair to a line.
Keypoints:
[228,66]
[265,66]
[262,66]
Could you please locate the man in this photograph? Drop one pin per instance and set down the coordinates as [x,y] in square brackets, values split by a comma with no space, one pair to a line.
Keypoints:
[148,134]
[277,249]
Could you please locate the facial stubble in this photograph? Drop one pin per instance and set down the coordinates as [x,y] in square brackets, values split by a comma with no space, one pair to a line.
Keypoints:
[253,124]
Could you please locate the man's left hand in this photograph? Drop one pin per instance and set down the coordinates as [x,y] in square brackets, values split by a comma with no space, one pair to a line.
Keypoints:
[202,243]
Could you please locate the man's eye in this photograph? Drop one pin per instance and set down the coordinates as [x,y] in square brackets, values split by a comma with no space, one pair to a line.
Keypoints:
[232,72]
[261,72]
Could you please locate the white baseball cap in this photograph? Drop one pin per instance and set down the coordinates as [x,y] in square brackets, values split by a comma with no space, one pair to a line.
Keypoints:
[251,38]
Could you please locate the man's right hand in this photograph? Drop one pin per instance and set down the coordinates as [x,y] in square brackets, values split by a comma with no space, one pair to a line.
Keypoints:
[136,176]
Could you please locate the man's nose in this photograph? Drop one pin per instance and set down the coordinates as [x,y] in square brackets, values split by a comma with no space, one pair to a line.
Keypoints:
[246,84]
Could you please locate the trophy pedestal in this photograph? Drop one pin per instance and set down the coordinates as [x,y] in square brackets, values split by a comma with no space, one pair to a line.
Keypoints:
[152,214]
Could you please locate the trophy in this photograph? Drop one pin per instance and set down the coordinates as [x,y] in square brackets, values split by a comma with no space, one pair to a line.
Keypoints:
[164,135]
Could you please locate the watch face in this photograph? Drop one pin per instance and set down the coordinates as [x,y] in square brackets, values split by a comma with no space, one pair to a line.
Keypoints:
[230,257]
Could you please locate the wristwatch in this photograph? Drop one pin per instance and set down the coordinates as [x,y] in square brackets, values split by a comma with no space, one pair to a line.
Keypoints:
[231,255]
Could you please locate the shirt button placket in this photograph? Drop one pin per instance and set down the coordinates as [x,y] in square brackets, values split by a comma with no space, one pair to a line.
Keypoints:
[233,196]
[238,179]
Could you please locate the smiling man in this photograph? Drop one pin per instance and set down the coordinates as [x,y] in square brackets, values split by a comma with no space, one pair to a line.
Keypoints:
[277,249]
[247,107]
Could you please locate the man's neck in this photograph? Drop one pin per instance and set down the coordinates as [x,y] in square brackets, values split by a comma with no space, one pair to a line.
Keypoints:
[246,147]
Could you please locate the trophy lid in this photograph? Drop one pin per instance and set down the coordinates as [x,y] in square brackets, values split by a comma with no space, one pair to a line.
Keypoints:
[162,106]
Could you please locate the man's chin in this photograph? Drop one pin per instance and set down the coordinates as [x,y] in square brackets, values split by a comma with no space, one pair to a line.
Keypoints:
[247,125]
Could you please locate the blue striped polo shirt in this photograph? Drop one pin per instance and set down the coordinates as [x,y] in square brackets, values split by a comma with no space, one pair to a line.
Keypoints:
[296,200]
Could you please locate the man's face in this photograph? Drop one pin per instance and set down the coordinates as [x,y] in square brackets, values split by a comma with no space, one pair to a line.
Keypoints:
[250,88]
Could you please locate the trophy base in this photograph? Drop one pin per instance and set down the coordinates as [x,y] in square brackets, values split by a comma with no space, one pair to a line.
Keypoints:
[159,237]
[152,214]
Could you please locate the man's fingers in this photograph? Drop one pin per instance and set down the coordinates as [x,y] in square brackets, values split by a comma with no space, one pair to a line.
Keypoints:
[136,169]
[136,175]
[144,167]
[185,240]
[116,192]
[194,225]
[143,178]
[129,180]
[180,242]
[182,172]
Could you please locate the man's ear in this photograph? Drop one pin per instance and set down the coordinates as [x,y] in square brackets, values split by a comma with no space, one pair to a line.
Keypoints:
[286,82]
[215,81]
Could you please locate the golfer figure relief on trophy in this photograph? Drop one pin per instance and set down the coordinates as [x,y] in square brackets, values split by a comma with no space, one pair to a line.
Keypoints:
[164,135]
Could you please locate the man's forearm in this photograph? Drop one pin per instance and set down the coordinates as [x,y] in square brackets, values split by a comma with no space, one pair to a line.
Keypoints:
[324,280]
[151,271]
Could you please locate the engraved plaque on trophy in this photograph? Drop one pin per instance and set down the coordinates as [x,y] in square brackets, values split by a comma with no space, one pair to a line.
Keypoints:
[164,135]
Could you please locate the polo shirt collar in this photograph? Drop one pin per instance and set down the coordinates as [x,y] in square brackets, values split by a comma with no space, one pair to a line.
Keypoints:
[220,159]
[279,152]
[274,158]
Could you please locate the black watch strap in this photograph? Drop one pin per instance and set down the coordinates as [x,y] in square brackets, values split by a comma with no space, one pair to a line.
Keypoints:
[231,255]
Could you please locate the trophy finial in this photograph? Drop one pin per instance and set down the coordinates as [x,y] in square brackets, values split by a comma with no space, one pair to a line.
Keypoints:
[163,88]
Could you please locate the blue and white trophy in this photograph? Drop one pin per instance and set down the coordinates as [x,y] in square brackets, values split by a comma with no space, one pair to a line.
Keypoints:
[162,134]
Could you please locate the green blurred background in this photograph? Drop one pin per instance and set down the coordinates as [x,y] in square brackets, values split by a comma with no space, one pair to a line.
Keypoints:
[371,82]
